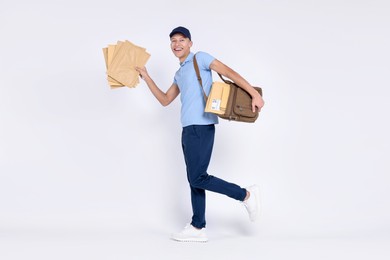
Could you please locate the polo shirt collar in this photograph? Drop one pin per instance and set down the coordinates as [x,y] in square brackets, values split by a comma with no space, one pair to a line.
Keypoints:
[188,59]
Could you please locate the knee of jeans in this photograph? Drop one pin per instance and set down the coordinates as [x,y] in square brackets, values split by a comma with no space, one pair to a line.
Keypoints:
[199,181]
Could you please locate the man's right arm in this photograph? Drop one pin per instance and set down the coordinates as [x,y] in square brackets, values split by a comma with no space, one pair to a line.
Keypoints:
[164,98]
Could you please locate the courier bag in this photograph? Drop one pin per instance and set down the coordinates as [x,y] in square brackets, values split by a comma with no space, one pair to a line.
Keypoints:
[228,101]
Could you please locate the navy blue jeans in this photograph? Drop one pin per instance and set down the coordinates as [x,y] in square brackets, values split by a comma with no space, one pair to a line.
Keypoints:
[197,143]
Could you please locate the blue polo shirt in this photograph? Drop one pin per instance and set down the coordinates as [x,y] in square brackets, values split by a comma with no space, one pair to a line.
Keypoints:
[191,95]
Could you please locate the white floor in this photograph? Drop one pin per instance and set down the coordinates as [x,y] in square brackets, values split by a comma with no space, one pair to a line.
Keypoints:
[154,243]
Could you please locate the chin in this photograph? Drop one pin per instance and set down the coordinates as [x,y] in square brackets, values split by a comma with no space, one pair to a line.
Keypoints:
[178,55]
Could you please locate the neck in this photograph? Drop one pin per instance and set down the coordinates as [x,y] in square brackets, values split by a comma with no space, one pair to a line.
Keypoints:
[182,59]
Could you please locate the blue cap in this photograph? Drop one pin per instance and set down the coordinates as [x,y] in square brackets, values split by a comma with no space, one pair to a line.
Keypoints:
[181,30]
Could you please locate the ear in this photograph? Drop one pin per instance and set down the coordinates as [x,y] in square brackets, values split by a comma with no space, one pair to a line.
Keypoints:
[190,44]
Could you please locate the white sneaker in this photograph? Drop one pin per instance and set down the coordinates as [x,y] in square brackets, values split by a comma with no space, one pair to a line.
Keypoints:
[252,204]
[190,234]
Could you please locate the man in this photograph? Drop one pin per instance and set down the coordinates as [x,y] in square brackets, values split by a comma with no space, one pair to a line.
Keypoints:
[198,130]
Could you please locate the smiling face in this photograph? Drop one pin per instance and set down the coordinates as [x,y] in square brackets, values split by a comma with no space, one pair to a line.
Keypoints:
[180,46]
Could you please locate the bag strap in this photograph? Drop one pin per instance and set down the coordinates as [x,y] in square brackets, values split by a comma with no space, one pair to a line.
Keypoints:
[225,80]
[199,78]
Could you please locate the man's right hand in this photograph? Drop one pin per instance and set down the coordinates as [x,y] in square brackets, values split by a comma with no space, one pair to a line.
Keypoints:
[143,73]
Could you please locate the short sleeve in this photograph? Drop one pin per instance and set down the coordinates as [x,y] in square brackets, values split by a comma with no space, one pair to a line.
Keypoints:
[204,60]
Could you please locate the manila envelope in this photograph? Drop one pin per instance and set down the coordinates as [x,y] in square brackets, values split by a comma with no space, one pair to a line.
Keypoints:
[108,54]
[126,57]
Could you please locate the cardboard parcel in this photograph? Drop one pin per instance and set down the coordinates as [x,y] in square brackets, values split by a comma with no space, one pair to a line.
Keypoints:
[121,60]
[218,98]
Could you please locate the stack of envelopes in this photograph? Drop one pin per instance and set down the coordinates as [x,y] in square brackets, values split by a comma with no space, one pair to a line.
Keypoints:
[121,60]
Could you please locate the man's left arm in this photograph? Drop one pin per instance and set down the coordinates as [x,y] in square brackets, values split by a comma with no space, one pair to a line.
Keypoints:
[219,67]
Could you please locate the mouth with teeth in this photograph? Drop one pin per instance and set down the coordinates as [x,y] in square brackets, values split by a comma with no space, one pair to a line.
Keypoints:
[177,49]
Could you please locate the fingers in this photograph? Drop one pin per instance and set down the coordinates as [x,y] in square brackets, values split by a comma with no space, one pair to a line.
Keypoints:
[256,106]
[141,71]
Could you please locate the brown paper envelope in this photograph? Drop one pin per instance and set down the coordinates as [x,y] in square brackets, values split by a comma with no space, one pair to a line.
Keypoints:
[113,82]
[116,51]
[108,53]
[122,66]
[140,55]
[126,77]
[142,58]
[105,53]
[119,58]
[116,87]
[125,58]
[110,57]
[137,56]
[111,51]
[131,51]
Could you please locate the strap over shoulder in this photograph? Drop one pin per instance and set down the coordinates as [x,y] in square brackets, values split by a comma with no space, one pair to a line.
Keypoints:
[199,77]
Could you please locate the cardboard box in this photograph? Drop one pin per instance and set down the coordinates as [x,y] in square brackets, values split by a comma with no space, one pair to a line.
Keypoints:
[218,98]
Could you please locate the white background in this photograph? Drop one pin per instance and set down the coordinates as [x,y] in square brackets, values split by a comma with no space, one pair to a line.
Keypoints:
[77,158]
